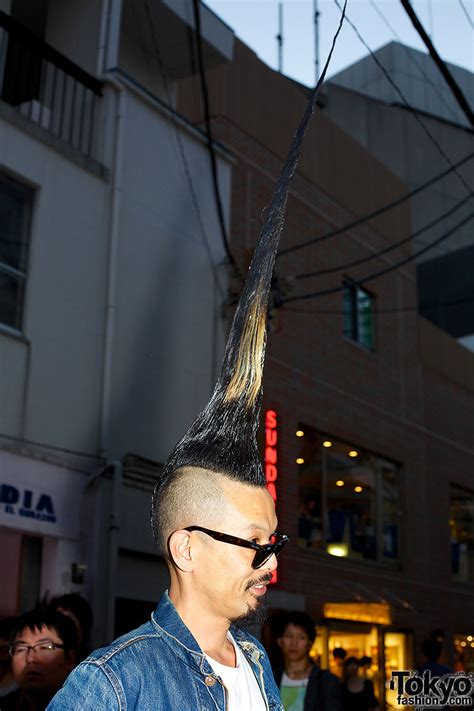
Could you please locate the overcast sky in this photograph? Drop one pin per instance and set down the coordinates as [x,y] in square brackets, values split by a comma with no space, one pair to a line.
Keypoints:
[448,22]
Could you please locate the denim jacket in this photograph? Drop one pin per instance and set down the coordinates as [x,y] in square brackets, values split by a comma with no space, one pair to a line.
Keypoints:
[159,667]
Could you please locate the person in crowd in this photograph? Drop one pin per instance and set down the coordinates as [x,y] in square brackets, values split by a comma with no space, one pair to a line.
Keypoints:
[42,649]
[357,693]
[365,664]
[78,609]
[214,521]
[7,683]
[304,686]
[431,649]
[339,654]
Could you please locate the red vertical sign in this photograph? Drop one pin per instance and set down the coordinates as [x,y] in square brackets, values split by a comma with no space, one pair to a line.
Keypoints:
[271,458]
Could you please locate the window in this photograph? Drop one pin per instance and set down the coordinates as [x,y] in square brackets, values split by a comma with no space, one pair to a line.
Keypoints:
[461,523]
[15,213]
[358,308]
[349,500]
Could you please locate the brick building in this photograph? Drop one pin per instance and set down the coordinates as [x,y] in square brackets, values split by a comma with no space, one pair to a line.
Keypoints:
[373,405]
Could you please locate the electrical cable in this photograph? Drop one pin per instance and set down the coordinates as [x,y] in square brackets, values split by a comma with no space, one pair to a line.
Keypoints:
[412,58]
[469,19]
[379,210]
[395,309]
[448,77]
[210,142]
[386,270]
[381,252]
[182,153]
[404,100]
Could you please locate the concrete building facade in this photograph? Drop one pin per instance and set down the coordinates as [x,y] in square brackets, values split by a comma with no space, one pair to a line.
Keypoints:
[430,136]
[112,281]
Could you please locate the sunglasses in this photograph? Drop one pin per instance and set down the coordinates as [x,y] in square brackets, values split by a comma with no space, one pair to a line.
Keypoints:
[262,553]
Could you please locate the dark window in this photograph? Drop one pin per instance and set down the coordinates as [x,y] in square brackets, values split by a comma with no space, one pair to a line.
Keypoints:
[15,216]
[349,499]
[358,307]
[461,524]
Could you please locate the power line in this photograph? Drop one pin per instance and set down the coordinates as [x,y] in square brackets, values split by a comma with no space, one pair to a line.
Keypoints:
[411,56]
[182,152]
[404,100]
[451,82]
[210,142]
[394,309]
[379,210]
[386,270]
[394,245]
[469,19]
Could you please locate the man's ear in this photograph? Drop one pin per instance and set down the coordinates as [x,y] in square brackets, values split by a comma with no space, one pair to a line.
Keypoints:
[179,546]
[279,641]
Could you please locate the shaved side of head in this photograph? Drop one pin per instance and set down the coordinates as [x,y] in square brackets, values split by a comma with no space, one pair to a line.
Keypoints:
[191,496]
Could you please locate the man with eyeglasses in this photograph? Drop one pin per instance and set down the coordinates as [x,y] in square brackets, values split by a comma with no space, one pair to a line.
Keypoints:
[42,649]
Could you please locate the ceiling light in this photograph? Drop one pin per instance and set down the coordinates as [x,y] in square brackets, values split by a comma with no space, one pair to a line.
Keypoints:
[299,433]
[340,550]
[339,482]
[327,443]
[300,460]
[353,453]
[358,489]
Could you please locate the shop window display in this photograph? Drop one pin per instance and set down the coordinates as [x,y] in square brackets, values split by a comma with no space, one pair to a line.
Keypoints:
[349,499]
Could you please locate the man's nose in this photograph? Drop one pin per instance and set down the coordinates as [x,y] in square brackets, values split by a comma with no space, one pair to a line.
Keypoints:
[31,655]
[272,563]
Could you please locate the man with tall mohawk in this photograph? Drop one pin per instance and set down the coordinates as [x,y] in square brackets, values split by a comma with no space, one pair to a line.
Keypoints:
[214,522]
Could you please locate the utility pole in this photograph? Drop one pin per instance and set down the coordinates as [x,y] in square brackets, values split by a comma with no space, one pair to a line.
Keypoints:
[316,40]
[279,37]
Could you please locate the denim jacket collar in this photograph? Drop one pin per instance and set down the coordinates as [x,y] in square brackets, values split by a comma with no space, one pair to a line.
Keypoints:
[170,627]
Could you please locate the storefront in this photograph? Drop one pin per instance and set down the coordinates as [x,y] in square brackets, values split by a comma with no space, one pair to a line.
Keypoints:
[364,630]
[41,532]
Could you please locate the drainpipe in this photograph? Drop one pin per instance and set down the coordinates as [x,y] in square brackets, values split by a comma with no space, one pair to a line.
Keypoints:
[103,30]
[115,467]
[114,531]
[114,233]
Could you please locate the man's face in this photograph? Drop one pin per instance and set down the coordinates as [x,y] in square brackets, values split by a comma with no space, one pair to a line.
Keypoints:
[228,585]
[37,671]
[295,643]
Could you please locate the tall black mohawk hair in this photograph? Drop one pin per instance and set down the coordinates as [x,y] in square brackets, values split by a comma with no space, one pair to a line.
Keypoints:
[222,437]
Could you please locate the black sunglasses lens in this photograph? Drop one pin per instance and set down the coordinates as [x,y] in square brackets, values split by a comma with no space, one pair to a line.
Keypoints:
[262,556]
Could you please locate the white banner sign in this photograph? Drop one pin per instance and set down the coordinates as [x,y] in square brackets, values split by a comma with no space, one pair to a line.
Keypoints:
[37,497]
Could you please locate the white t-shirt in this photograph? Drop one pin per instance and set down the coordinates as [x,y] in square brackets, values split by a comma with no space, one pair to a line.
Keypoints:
[242,688]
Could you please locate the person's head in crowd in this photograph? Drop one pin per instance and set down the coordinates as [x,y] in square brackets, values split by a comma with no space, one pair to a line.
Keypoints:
[298,633]
[7,683]
[351,667]
[43,651]
[365,663]
[432,649]
[78,609]
[339,654]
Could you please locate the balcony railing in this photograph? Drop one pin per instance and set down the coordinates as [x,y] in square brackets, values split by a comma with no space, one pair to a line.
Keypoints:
[46,87]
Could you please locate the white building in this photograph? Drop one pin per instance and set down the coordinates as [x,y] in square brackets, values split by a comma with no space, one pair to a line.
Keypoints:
[112,282]
[415,126]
